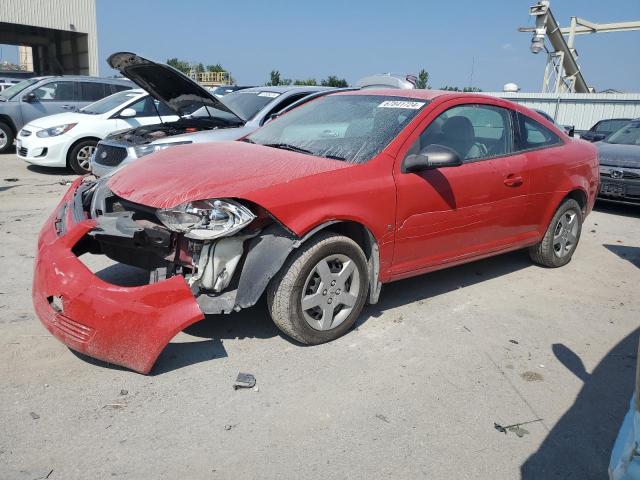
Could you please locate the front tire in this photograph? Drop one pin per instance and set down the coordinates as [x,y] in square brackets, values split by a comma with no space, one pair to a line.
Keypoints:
[80,155]
[320,290]
[561,238]
[6,138]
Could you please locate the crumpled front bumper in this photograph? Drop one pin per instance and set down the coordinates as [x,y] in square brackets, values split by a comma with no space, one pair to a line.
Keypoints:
[127,326]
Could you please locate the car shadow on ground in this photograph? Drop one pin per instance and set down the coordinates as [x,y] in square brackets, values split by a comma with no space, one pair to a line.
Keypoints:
[579,445]
[255,322]
[51,170]
[631,254]
[438,283]
[613,208]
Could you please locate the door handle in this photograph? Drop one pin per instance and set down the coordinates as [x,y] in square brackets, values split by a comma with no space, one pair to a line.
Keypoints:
[513,180]
[69,107]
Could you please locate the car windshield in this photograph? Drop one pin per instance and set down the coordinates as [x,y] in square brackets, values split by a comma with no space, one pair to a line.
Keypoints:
[109,103]
[352,128]
[247,103]
[627,135]
[9,93]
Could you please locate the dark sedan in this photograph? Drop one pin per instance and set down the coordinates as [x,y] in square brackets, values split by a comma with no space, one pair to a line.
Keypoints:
[620,165]
[604,128]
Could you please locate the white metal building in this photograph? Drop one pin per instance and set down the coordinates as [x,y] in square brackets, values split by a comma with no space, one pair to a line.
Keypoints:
[581,110]
[59,35]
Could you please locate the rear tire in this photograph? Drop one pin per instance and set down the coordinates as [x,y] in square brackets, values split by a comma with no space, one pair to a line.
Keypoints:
[80,155]
[6,138]
[320,290]
[561,238]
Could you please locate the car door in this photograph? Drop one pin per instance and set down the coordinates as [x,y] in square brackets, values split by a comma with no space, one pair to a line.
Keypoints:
[56,96]
[449,214]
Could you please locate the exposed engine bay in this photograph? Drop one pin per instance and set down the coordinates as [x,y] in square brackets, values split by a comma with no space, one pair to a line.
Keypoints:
[149,133]
[225,273]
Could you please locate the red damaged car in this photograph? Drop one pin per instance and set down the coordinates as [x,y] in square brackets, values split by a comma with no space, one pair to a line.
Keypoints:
[317,209]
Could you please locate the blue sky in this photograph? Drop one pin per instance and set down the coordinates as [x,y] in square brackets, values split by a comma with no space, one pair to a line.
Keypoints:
[354,38]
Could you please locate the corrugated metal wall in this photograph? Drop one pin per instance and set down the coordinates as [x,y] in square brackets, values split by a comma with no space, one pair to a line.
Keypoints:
[57,14]
[579,109]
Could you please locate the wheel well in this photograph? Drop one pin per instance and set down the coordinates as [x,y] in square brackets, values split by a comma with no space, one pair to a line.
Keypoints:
[356,232]
[579,196]
[84,139]
[7,119]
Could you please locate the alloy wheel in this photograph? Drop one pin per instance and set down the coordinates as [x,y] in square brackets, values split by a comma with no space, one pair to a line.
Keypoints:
[565,235]
[3,139]
[84,156]
[330,292]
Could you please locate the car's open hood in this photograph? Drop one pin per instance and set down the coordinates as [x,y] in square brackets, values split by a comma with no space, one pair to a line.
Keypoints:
[180,93]
[213,170]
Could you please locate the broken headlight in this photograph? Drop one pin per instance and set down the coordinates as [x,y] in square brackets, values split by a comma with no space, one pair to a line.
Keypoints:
[206,219]
[142,150]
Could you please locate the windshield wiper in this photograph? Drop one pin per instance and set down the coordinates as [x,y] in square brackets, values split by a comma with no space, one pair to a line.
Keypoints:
[288,146]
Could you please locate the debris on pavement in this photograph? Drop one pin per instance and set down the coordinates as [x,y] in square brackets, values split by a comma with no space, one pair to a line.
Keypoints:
[515,342]
[530,376]
[515,428]
[34,415]
[229,427]
[124,392]
[244,380]
[11,179]
[379,416]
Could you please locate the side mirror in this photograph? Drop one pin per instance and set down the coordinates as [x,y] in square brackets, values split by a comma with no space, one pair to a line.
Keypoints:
[432,156]
[128,113]
[29,97]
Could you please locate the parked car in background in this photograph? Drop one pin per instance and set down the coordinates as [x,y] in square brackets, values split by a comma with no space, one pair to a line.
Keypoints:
[214,119]
[318,208]
[568,129]
[625,460]
[41,96]
[604,128]
[619,157]
[7,82]
[387,80]
[69,139]
[224,89]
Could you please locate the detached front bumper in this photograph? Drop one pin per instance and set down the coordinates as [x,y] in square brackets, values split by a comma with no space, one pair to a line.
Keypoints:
[127,326]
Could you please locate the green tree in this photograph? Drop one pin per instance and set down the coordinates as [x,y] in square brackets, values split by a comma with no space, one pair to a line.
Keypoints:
[334,81]
[275,79]
[215,68]
[471,89]
[307,82]
[181,65]
[423,79]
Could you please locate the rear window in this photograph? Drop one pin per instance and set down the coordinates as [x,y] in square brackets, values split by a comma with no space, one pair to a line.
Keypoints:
[247,103]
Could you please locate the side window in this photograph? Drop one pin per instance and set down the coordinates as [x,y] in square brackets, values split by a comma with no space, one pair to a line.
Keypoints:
[473,131]
[119,88]
[284,104]
[92,91]
[146,107]
[55,92]
[533,135]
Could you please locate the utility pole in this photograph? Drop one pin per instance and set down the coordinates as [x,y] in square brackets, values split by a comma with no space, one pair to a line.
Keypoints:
[562,73]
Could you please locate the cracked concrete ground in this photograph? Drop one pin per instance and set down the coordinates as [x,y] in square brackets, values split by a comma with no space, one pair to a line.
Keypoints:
[412,392]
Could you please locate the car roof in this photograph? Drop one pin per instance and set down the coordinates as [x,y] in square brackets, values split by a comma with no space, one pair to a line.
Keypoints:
[410,93]
[86,78]
[287,88]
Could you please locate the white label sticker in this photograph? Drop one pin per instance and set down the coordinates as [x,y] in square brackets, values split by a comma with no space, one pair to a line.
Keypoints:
[401,104]
[268,94]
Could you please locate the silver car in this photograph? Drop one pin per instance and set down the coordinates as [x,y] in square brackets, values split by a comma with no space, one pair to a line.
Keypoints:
[204,117]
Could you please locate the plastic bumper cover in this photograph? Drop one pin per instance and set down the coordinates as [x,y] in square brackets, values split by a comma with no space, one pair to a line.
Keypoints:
[127,326]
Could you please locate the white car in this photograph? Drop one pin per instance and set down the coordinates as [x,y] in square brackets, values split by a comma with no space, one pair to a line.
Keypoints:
[69,139]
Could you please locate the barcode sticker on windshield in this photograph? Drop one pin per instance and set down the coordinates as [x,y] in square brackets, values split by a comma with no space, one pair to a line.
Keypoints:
[268,94]
[401,104]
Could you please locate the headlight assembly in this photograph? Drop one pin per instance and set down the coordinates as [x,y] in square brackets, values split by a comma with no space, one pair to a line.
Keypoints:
[55,131]
[206,219]
[142,150]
